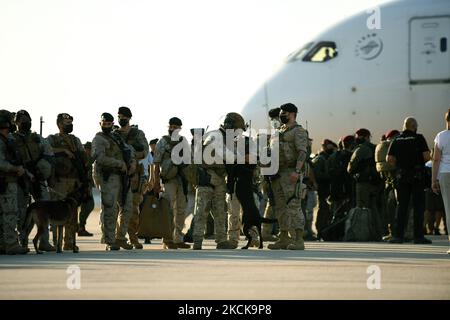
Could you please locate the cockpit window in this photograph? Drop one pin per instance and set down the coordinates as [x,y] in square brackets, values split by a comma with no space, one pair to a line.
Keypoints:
[322,52]
[297,54]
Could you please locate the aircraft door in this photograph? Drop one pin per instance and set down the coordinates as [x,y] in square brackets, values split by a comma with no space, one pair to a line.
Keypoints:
[429,50]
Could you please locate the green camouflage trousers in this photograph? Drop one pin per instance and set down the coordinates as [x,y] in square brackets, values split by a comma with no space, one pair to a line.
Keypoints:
[290,216]
[234,217]
[115,218]
[173,191]
[210,199]
[8,216]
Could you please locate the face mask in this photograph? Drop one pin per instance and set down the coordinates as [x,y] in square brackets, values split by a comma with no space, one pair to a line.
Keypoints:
[275,124]
[359,140]
[106,130]
[123,122]
[68,128]
[284,119]
[25,126]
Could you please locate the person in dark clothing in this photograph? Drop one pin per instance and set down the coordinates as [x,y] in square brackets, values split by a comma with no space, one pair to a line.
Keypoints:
[340,180]
[320,169]
[408,153]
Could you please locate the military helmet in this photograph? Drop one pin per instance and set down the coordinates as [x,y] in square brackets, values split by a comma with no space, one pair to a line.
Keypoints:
[234,120]
[4,122]
[6,119]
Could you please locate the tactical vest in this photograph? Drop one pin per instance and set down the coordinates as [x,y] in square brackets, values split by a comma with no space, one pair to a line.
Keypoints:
[288,154]
[63,164]
[28,146]
[218,168]
[168,169]
[11,157]
[114,150]
[131,138]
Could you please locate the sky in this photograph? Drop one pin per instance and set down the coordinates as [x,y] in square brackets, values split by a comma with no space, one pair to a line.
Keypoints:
[194,59]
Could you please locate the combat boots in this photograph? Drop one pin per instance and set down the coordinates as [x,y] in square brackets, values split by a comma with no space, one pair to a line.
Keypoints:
[227,245]
[299,243]
[15,249]
[70,247]
[46,247]
[282,243]
[124,244]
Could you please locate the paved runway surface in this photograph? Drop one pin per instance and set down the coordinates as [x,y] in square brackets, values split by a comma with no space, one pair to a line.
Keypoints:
[323,271]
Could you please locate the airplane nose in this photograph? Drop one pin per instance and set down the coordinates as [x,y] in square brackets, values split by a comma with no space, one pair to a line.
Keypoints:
[256,109]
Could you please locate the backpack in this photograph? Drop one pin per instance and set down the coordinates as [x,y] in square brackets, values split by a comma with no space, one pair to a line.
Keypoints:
[381,152]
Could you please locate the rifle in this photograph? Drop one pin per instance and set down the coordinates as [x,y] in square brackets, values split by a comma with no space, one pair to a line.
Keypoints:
[126,154]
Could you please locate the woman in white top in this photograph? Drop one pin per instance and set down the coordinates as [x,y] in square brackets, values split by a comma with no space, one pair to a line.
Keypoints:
[440,181]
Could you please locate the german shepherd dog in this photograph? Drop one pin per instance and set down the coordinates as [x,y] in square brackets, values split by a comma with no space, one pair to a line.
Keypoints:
[250,213]
[57,213]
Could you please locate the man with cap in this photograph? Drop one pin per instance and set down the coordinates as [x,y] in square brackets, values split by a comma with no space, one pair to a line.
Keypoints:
[135,138]
[70,170]
[88,205]
[286,186]
[10,171]
[175,186]
[368,182]
[408,153]
[322,176]
[37,157]
[114,164]
[387,173]
[212,189]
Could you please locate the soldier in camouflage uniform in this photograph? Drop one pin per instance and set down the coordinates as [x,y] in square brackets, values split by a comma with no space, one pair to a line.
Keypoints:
[175,187]
[88,205]
[9,173]
[37,157]
[293,149]
[111,174]
[136,138]
[70,169]
[211,190]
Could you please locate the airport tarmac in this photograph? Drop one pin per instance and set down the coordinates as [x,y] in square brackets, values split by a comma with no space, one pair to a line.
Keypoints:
[325,270]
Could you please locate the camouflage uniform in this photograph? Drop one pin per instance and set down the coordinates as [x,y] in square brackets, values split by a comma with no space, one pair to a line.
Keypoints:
[234,217]
[210,196]
[136,138]
[173,186]
[32,149]
[108,161]
[8,202]
[292,141]
[67,178]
